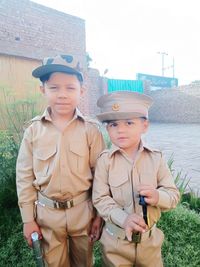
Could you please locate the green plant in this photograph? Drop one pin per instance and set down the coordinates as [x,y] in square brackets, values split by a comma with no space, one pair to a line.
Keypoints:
[181,246]
[8,155]
[182,181]
[192,201]
[15,252]
[187,197]
[97,254]
[16,112]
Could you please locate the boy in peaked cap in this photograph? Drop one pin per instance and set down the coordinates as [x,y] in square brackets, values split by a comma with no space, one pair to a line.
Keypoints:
[132,184]
[55,169]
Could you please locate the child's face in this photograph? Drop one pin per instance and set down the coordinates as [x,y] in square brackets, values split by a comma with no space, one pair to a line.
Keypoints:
[126,134]
[62,92]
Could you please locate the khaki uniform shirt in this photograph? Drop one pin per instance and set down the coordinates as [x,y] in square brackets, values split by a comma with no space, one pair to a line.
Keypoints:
[59,164]
[116,180]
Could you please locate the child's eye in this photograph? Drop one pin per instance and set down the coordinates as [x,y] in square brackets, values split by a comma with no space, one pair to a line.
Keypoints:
[129,122]
[71,88]
[112,124]
[53,87]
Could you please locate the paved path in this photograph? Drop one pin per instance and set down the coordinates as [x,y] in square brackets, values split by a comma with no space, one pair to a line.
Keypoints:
[183,142]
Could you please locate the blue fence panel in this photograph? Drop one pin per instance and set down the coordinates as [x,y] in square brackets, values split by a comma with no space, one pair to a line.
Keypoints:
[125,85]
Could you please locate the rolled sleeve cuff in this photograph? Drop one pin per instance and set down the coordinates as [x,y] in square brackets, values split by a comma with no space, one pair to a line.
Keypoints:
[27,213]
[118,216]
[164,200]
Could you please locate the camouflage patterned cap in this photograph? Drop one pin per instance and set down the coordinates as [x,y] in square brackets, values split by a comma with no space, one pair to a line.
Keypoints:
[59,63]
[123,105]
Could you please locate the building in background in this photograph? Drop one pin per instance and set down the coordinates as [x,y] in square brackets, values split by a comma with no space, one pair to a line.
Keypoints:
[28,33]
[157,82]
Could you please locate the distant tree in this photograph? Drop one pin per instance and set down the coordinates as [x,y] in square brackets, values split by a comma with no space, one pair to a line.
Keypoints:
[88,59]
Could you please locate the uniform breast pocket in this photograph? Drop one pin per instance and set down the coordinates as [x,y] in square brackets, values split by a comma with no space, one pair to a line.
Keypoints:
[78,158]
[43,161]
[121,189]
[148,178]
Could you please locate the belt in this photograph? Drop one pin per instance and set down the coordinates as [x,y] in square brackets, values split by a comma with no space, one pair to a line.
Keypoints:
[118,232]
[65,204]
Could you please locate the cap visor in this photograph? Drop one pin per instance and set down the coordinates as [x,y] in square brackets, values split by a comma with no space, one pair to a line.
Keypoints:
[119,116]
[46,69]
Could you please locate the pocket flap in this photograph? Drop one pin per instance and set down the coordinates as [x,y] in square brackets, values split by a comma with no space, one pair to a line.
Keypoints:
[118,179]
[44,153]
[78,148]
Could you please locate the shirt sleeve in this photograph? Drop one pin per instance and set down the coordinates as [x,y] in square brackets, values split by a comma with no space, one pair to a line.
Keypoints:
[102,199]
[96,144]
[27,194]
[168,193]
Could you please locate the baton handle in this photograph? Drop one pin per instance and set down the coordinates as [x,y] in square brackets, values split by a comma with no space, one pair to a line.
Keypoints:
[37,250]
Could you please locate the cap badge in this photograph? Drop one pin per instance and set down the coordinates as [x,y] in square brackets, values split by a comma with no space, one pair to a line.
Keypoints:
[115,107]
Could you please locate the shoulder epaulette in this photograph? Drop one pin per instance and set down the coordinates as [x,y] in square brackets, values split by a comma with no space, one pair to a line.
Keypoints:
[28,123]
[151,149]
[92,120]
[37,118]
[104,152]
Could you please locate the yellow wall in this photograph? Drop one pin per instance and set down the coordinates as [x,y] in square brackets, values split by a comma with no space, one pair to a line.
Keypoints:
[15,74]
[16,84]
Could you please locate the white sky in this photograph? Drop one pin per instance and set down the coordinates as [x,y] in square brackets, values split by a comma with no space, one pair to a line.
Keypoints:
[124,36]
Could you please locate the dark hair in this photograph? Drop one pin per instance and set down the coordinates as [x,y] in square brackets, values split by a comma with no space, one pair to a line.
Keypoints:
[141,118]
[47,76]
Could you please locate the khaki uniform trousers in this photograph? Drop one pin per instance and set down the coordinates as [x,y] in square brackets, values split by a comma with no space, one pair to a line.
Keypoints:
[65,241]
[121,253]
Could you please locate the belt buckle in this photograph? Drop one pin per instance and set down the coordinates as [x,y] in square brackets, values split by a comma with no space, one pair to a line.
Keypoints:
[67,204]
[136,237]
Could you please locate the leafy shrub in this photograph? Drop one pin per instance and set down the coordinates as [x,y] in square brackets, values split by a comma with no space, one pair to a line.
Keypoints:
[192,201]
[8,155]
[15,251]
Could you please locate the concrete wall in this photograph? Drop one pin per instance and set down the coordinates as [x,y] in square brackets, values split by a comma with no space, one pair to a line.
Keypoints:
[181,104]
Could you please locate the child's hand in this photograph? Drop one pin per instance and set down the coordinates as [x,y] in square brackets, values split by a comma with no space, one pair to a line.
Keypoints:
[96,228]
[29,228]
[134,223]
[150,194]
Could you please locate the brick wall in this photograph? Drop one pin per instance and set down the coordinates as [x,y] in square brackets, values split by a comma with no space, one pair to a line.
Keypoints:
[34,31]
[30,32]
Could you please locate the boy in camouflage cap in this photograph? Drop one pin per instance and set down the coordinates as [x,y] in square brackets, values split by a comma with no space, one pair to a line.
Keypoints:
[55,169]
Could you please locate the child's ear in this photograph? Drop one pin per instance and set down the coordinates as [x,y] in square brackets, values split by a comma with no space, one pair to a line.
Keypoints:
[42,90]
[82,91]
[146,125]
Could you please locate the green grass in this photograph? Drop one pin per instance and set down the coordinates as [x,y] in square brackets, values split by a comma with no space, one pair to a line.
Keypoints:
[180,249]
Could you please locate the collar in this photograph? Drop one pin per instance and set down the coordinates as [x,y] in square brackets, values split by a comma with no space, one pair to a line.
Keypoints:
[142,147]
[47,115]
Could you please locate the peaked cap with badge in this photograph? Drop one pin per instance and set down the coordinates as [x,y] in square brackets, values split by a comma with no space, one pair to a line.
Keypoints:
[59,63]
[123,105]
